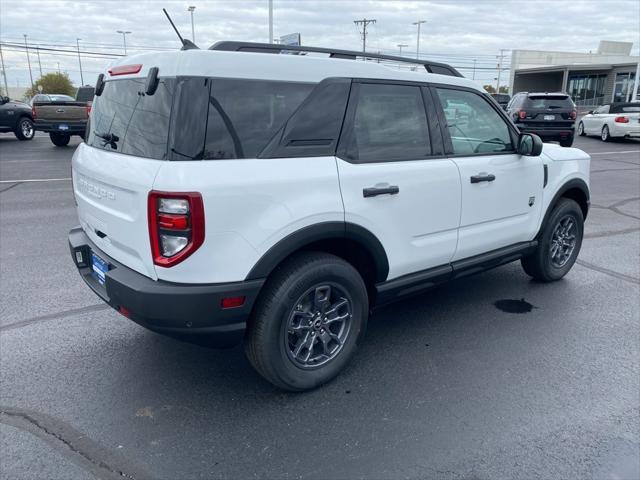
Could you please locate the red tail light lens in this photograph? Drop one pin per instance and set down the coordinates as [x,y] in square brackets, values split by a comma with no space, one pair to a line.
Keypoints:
[621,120]
[125,69]
[33,112]
[522,114]
[573,115]
[88,107]
[176,226]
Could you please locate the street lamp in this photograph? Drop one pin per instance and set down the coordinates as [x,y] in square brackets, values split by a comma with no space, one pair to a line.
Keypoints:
[124,38]
[418,23]
[400,45]
[193,31]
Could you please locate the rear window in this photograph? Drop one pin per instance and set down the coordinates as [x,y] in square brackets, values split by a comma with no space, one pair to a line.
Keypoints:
[549,101]
[193,118]
[125,120]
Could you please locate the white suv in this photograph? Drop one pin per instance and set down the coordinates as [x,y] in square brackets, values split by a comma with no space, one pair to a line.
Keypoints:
[230,194]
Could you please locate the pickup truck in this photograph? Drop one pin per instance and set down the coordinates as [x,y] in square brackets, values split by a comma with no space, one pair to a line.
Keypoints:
[62,118]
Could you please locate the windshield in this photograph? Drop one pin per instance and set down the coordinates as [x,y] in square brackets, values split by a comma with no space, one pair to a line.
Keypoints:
[61,98]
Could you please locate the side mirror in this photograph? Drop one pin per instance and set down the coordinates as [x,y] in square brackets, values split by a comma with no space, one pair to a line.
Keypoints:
[529,145]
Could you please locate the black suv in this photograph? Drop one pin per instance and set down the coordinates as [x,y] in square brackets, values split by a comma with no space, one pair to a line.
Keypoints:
[551,116]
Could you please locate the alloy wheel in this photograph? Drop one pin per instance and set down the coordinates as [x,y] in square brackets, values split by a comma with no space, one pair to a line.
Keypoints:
[26,127]
[563,241]
[318,326]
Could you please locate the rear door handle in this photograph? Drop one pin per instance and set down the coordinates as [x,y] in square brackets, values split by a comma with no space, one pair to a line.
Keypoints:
[374,191]
[483,177]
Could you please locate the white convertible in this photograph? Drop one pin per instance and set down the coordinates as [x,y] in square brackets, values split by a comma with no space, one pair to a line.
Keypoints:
[616,120]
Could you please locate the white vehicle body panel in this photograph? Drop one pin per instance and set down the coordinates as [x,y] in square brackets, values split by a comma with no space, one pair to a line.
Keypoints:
[593,124]
[418,226]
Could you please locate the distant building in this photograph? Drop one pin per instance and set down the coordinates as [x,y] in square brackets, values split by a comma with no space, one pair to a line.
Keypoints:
[16,93]
[608,75]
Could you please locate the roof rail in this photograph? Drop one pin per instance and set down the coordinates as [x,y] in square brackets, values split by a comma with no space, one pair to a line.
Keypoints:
[233,46]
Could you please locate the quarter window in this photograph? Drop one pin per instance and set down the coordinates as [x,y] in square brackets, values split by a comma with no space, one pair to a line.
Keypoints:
[390,124]
[474,126]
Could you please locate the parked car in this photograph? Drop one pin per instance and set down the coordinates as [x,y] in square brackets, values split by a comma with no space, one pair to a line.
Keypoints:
[16,117]
[502,99]
[278,198]
[616,120]
[551,116]
[62,116]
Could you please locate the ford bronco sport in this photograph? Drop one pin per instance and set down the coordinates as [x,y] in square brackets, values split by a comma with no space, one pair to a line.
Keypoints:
[232,194]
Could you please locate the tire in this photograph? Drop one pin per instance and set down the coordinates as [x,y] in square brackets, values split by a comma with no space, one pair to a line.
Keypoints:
[581,129]
[60,139]
[24,129]
[541,264]
[291,297]
[566,142]
[605,136]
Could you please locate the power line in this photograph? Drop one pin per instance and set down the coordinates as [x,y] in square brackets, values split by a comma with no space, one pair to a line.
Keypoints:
[365,23]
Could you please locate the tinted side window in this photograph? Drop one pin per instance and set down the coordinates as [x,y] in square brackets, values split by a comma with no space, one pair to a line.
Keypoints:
[314,128]
[473,124]
[389,124]
[245,114]
[189,119]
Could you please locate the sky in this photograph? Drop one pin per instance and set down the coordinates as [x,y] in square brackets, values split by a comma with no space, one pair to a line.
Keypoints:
[456,31]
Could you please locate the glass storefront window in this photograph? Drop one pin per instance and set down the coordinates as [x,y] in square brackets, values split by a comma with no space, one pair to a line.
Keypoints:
[587,89]
[623,87]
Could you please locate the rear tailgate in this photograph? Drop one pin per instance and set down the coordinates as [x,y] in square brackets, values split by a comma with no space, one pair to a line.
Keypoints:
[549,111]
[111,190]
[61,111]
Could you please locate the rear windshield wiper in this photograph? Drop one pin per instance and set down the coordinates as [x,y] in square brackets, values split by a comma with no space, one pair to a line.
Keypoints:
[197,156]
[109,139]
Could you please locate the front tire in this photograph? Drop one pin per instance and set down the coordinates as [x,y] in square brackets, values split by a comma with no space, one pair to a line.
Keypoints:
[60,139]
[307,321]
[24,129]
[605,135]
[581,129]
[558,244]
[566,142]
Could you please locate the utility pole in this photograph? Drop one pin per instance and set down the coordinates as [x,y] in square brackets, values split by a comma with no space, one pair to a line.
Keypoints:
[500,59]
[28,59]
[4,74]
[365,23]
[418,23]
[270,21]
[58,68]
[39,64]
[474,69]
[124,38]
[400,45]
[80,61]
[193,30]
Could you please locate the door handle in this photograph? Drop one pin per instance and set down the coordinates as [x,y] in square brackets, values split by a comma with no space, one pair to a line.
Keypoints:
[483,177]
[375,191]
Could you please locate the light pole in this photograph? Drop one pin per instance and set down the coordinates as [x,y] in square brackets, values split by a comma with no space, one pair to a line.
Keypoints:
[39,64]
[193,31]
[28,59]
[80,61]
[418,23]
[270,21]
[474,69]
[124,38]
[400,45]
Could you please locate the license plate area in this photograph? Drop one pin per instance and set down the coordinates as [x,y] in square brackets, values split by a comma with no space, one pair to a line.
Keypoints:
[549,117]
[99,268]
[63,127]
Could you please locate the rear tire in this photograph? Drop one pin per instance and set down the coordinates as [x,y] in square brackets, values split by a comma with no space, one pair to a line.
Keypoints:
[307,322]
[566,142]
[24,129]
[581,129]
[605,136]
[558,244]
[60,139]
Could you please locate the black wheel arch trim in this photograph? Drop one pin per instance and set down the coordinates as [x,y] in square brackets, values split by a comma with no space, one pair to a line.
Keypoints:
[318,232]
[575,183]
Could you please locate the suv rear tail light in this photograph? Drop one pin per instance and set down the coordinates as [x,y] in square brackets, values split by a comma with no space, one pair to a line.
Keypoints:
[573,115]
[176,226]
[522,114]
[89,107]
[33,112]
[621,120]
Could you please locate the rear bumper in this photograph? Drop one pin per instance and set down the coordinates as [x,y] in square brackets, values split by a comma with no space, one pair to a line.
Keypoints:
[187,311]
[73,128]
[547,132]
[630,130]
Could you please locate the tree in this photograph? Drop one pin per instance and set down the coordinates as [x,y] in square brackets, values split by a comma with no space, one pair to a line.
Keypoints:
[491,89]
[53,83]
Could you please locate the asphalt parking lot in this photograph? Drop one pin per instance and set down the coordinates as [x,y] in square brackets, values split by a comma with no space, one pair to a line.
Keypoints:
[447,385]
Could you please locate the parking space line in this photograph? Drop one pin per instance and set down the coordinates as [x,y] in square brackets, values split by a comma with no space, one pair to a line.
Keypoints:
[35,180]
[612,153]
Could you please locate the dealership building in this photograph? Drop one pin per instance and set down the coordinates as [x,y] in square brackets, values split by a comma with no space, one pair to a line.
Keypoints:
[593,78]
